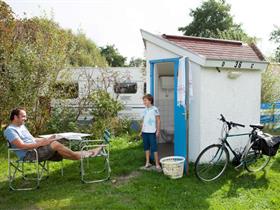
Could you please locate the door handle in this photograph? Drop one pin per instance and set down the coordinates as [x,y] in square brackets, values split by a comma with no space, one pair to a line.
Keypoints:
[186,114]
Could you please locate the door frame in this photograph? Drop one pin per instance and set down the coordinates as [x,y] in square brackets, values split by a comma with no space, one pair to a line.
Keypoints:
[175,61]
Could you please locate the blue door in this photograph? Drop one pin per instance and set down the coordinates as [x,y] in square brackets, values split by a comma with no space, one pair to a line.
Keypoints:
[180,113]
[180,124]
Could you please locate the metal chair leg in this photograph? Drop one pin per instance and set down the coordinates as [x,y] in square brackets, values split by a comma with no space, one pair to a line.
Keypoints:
[107,169]
[12,176]
[62,168]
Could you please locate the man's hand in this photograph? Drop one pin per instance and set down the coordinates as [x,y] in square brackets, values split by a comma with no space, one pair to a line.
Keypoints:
[52,137]
[46,142]
[55,137]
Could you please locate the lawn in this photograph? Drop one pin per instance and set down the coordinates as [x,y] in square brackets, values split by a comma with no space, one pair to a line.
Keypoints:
[131,188]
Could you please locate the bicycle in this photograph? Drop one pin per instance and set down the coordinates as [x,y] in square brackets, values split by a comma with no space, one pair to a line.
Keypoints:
[213,160]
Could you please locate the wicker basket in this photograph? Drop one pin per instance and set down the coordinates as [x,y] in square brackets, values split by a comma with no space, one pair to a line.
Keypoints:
[173,166]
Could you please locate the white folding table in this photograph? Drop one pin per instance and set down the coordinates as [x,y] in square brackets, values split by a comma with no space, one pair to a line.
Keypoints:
[71,136]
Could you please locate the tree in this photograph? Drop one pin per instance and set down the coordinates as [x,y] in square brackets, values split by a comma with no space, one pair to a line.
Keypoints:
[84,52]
[275,37]
[137,62]
[32,53]
[213,19]
[271,84]
[236,34]
[34,50]
[112,55]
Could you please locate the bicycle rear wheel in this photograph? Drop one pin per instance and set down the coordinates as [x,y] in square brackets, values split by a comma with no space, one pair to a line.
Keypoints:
[254,160]
[211,162]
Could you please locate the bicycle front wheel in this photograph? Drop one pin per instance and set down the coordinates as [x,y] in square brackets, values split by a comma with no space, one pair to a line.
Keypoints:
[211,162]
[254,160]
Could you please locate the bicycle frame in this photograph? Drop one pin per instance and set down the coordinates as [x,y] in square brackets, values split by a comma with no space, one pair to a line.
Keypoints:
[210,163]
[225,135]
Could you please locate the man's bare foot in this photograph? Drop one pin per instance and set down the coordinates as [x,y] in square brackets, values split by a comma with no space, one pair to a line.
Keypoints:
[86,154]
[95,152]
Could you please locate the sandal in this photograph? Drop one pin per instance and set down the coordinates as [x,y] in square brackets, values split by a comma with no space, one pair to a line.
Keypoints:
[158,169]
[148,165]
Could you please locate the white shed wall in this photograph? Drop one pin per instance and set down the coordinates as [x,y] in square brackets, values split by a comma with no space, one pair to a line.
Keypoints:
[238,99]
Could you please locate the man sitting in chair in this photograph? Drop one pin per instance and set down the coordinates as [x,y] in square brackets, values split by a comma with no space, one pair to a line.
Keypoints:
[47,148]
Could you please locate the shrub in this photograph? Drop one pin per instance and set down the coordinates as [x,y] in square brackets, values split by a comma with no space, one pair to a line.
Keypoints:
[32,53]
[105,113]
[62,120]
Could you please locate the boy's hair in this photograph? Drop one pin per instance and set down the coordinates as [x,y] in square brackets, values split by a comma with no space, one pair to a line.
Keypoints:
[15,112]
[149,97]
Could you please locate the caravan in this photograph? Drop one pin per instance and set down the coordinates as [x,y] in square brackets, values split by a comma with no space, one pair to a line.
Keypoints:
[126,84]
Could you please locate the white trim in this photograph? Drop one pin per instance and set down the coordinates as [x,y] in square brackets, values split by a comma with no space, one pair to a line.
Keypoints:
[236,64]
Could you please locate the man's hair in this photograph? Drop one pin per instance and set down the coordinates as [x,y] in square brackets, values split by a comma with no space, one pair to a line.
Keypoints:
[15,112]
[149,97]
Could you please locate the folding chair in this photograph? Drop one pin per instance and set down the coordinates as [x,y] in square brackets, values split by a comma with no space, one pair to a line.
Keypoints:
[18,165]
[85,145]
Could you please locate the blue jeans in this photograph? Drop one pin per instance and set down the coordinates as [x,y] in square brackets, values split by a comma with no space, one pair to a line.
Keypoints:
[150,142]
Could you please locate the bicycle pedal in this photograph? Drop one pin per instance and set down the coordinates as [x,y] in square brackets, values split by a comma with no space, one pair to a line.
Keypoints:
[237,167]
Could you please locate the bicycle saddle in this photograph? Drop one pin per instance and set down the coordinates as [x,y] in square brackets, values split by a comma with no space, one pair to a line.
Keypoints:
[259,126]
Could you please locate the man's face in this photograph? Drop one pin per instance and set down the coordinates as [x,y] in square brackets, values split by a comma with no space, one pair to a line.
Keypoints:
[21,118]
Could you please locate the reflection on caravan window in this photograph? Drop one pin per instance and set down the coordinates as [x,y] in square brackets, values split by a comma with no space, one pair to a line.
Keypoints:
[66,90]
[125,87]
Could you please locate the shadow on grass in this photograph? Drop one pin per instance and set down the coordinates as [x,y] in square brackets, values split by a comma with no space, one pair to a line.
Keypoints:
[275,163]
[140,190]
[247,181]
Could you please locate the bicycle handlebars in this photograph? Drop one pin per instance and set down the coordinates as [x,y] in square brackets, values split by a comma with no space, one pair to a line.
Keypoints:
[231,124]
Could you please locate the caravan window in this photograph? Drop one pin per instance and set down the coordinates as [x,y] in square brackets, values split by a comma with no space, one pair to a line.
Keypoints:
[145,88]
[66,90]
[125,87]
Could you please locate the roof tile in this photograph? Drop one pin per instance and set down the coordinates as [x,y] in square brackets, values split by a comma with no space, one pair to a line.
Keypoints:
[217,48]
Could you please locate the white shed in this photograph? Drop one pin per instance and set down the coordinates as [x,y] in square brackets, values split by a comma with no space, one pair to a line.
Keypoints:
[219,76]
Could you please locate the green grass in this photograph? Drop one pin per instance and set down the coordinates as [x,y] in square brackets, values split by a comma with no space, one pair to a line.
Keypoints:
[130,188]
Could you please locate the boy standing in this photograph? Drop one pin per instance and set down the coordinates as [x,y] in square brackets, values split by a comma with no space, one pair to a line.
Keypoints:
[150,130]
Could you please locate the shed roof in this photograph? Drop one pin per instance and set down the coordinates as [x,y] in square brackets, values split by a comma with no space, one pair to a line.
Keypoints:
[217,48]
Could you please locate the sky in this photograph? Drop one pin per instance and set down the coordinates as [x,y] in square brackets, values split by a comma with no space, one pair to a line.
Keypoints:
[119,22]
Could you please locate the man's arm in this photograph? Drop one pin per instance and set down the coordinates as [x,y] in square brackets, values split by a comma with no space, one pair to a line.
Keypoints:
[40,139]
[21,145]
[44,139]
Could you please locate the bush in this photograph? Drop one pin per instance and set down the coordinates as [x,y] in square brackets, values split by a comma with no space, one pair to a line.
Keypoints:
[32,53]
[104,105]
[271,84]
[62,120]
[105,114]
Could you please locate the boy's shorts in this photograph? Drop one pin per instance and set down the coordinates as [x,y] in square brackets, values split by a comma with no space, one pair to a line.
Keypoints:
[150,141]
